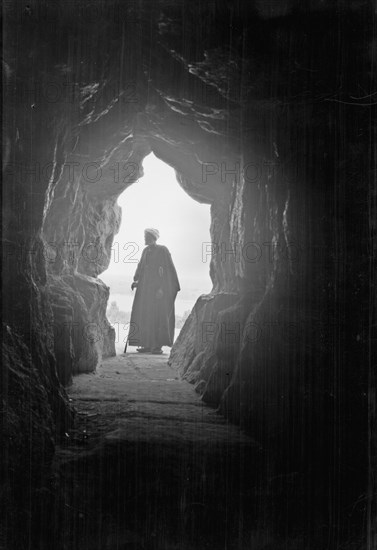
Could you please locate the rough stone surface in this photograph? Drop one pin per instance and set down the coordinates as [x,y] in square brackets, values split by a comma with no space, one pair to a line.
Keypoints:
[30,403]
[280,92]
[146,448]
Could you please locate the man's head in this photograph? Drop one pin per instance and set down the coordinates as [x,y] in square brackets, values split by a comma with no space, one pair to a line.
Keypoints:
[151,235]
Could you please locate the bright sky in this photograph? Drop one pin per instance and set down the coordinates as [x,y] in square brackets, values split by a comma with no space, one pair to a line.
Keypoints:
[157,200]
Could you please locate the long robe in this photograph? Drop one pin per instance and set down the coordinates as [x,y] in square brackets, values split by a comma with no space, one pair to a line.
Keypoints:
[152,320]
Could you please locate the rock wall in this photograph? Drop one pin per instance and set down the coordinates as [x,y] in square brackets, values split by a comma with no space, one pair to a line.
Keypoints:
[264,111]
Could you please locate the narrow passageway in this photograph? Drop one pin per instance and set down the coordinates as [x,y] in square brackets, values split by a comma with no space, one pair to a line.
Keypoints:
[149,465]
[134,396]
[241,133]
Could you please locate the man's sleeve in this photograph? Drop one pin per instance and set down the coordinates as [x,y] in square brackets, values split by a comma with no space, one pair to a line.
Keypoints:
[172,273]
[140,267]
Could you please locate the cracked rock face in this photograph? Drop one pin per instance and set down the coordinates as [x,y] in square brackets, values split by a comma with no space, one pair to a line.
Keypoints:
[263,111]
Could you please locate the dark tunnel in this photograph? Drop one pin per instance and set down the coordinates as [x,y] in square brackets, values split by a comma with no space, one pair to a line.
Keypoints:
[265,110]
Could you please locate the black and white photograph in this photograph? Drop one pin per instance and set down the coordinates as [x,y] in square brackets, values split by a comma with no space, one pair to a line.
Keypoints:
[189,269]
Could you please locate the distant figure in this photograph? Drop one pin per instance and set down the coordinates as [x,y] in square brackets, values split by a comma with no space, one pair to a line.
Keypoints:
[152,318]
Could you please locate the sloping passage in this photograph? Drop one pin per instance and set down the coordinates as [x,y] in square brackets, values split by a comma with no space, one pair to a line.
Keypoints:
[264,111]
[150,466]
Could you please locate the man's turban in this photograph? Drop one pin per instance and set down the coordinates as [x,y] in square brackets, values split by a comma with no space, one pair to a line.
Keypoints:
[154,232]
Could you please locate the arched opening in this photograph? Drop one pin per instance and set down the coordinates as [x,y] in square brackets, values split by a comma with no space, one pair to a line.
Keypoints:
[157,200]
[275,104]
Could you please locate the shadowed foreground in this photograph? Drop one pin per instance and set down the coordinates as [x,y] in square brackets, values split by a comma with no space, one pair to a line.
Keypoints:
[150,466]
[264,111]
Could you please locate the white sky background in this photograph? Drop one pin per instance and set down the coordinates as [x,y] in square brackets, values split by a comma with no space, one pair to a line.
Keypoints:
[157,200]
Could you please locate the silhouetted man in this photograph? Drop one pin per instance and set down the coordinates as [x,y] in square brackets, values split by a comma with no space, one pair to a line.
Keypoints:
[152,318]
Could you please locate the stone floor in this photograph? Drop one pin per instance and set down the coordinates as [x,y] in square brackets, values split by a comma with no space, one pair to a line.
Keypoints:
[136,397]
[150,466]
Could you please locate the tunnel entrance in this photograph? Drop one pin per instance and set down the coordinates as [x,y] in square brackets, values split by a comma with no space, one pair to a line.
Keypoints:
[264,112]
[156,200]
